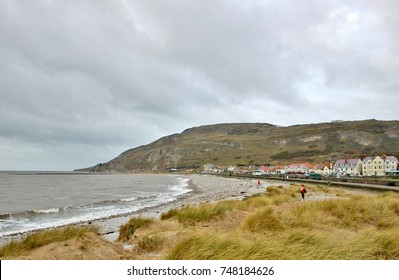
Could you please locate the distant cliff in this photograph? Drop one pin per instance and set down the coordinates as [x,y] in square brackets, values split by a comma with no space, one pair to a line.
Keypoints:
[255,143]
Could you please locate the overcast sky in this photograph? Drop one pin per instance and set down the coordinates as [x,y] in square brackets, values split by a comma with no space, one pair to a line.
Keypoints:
[83,81]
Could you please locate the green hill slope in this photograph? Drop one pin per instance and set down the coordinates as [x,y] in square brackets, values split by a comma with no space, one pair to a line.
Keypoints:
[247,143]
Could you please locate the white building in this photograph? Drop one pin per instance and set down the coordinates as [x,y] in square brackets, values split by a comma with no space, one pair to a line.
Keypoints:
[351,167]
[391,164]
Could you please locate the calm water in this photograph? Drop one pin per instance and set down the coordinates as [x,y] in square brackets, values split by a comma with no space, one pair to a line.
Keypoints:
[32,201]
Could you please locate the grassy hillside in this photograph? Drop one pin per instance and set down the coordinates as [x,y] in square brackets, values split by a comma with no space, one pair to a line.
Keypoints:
[243,144]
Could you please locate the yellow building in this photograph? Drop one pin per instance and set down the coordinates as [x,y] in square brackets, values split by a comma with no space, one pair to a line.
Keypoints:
[373,166]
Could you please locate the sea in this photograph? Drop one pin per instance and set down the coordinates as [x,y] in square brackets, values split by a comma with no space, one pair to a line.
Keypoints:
[38,200]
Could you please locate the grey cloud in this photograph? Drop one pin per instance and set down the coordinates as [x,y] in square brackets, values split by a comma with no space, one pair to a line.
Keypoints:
[118,74]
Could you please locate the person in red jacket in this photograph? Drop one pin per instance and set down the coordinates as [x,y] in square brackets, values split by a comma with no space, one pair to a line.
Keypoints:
[303,191]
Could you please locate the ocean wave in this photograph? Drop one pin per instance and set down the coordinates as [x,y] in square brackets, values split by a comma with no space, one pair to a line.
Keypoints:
[181,188]
[137,198]
[47,211]
[38,212]
[111,202]
[130,199]
[28,213]
[5,216]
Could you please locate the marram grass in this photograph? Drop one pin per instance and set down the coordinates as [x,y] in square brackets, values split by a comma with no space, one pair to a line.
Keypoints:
[263,220]
[191,215]
[357,227]
[126,231]
[42,238]
[151,242]
[295,245]
[241,247]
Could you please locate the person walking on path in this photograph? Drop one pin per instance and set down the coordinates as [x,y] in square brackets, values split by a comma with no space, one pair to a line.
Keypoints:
[303,191]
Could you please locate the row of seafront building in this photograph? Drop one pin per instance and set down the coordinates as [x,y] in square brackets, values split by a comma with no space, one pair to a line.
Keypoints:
[369,166]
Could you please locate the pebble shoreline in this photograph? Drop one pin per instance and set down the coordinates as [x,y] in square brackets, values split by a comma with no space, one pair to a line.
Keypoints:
[205,189]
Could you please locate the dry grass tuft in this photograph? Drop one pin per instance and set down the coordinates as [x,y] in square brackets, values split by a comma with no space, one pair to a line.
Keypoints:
[127,231]
[171,213]
[192,215]
[263,221]
[151,242]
